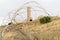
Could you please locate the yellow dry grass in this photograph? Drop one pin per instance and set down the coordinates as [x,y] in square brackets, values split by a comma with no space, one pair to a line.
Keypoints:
[32,30]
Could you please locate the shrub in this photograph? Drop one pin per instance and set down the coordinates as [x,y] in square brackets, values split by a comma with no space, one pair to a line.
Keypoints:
[45,19]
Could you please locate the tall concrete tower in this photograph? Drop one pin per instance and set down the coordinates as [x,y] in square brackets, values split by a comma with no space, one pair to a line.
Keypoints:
[29,18]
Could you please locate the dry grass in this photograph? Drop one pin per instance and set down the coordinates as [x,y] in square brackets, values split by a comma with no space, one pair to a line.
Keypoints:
[33,31]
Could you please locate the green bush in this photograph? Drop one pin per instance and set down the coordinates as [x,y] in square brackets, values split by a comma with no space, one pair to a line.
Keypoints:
[45,19]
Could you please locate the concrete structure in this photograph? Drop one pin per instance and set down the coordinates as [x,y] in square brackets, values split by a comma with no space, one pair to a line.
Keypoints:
[29,18]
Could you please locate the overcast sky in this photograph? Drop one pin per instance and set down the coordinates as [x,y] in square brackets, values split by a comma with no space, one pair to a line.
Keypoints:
[52,6]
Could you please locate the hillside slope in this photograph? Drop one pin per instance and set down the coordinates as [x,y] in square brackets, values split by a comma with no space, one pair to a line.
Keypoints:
[32,30]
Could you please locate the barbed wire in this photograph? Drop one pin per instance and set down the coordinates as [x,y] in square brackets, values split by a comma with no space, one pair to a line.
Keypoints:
[24,6]
[40,7]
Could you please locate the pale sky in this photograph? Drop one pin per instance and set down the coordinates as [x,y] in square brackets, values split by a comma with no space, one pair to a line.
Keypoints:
[52,6]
